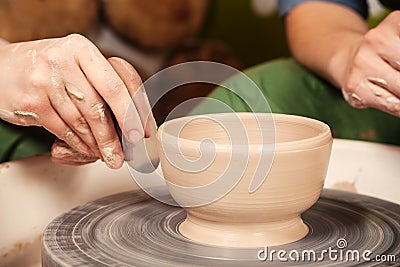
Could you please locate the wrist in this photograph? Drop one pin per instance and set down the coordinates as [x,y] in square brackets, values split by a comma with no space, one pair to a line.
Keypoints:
[340,62]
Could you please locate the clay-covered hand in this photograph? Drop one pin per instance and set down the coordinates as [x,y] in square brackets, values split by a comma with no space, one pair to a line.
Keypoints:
[69,88]
[62,153]
[372,77]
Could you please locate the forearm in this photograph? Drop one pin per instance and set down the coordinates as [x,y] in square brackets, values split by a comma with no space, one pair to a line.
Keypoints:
[322,36]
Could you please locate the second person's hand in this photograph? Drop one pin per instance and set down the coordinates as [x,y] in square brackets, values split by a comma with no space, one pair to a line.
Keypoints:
[373,72]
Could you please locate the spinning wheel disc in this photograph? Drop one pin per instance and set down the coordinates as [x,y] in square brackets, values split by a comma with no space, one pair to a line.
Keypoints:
[131,229]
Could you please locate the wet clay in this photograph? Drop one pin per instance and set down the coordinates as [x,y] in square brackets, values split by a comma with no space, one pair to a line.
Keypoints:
[378,81]
[99,107]
[345,186]
[62,153]
[272,214]
[27,117]
[74,93]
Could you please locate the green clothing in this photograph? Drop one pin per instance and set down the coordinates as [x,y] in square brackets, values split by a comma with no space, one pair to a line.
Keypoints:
[20,142]
[288,87]
[291,89]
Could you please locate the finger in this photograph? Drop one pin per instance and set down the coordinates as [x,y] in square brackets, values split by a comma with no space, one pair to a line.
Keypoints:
[62,153]
[112,89]
[97,115]
[133,82]
[386,75]
[369,94]
[60,94]
[61,101]
[54,124]
[383,64]
[374,83]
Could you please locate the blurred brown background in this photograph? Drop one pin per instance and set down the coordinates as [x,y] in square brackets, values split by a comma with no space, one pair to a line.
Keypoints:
[154,34]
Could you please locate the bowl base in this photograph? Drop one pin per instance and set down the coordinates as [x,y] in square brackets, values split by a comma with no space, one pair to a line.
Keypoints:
[243,234]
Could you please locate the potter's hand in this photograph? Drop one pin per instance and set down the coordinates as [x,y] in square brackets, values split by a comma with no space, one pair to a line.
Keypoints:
[66,86]
[64,154]
[373,74]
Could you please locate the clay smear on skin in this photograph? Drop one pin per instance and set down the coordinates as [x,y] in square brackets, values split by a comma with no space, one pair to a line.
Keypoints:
[356,98]
[378,86]
[376,90]
[64,152]
[55,73]
[69,135]
[33,54]
[108,156]
[353,99]
[74,93]
[393,100]
[101,110]
[16,47]
[378,81]
[393,62]
[27,116]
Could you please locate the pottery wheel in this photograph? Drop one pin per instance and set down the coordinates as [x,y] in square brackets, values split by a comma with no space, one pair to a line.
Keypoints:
[131,229]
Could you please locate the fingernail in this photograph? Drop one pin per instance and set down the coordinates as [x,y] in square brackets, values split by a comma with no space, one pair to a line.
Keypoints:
[134,136]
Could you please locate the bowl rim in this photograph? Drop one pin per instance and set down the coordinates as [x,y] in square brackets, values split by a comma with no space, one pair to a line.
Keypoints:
[322,138]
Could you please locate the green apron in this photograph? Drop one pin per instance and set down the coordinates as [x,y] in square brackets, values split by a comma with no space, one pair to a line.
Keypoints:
[288,87]
[291,89]
[20,142]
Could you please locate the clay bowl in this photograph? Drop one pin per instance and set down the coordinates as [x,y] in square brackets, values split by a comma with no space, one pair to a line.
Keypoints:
[270,215]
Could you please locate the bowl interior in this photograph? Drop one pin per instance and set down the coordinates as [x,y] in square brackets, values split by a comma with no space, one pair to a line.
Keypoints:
[284,130]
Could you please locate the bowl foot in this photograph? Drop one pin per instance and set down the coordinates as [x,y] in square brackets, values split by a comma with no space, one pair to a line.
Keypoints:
[243,234]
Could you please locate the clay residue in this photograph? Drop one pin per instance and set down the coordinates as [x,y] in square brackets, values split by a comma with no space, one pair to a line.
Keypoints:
[378,81]
[75,94]
[99,107]
[62,153]
[345,186]
[109,156]
[27,116]
[16,248]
